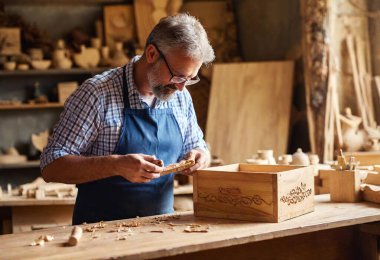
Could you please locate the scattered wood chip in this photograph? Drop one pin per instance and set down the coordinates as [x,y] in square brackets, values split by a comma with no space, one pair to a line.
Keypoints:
[157,231]
[133,223]
[121,237]
[40,241]
[195,228]
[97,226]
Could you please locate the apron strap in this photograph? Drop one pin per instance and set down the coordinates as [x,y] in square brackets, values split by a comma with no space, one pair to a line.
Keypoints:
[125,88]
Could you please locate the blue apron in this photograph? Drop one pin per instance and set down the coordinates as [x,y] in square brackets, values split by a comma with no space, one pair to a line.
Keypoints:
[147,131]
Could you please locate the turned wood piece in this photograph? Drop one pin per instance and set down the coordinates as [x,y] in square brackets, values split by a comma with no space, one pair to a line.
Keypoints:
[75,236]
[176,167]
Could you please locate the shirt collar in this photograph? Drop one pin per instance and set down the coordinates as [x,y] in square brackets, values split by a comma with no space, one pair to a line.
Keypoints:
[133,94]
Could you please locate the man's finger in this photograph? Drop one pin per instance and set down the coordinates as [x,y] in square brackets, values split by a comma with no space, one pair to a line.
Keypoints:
[153,168]
[149,158]
[149,176]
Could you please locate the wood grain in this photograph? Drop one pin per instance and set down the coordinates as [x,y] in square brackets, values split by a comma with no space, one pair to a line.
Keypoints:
[345,186]
[222,233]
[270,193]
[249,109]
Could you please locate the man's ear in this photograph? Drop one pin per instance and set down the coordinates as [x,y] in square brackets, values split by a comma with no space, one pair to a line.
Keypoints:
[151,54]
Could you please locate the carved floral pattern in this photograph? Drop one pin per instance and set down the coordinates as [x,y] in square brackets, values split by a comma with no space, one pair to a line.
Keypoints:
[296,195]
[232,196]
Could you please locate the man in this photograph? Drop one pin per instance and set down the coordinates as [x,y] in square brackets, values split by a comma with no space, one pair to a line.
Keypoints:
[115,126]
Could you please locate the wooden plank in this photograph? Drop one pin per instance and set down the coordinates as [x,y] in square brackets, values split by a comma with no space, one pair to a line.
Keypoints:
[241,95]
[222,233]
[144,20]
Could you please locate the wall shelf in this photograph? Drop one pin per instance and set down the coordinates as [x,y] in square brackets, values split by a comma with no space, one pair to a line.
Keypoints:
[28,164]
[30,106]
[32,72]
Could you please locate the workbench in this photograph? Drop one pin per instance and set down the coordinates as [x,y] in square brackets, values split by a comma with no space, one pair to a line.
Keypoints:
[20,214]
[332,231]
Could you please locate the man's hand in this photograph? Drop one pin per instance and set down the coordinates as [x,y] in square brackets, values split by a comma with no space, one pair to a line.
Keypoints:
[139,168]
[201,159]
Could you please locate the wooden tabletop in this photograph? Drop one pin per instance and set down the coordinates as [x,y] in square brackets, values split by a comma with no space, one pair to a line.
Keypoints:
[153,238]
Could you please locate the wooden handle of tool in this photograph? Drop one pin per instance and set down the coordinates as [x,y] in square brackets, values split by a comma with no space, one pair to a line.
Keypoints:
[75,236]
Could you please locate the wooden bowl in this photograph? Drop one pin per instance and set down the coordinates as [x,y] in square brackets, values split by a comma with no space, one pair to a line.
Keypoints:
[41,64]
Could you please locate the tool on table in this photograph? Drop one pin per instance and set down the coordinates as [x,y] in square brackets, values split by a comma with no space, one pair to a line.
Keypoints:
[342,164]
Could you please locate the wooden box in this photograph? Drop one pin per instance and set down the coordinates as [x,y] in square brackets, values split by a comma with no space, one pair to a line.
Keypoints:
[345,186]
[269,193]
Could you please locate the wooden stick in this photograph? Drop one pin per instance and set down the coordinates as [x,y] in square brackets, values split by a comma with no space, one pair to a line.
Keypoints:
[368,85]
[75,236]
[351,51]
[377,81]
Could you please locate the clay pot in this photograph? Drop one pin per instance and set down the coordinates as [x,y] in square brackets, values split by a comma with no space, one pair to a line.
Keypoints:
[96,43]
[353,138]
[105,59]
[87,58]
[23,66]
[300,158]
[266,155]
[314,159]
[119,58]
[285,159]
[61,60]
[41,64]
[10,65]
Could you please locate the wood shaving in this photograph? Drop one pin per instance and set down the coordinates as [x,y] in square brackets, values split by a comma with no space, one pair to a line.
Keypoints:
[40,241]
[120,230]
[95,227]
[133,223]
[195,228]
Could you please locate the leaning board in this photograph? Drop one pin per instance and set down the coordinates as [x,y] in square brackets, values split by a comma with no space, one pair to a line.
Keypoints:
[249,109]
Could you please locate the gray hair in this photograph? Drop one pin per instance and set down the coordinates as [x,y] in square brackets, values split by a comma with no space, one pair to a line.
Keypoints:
[185,32]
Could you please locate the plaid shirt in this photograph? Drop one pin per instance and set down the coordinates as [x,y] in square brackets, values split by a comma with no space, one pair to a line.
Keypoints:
[92,118]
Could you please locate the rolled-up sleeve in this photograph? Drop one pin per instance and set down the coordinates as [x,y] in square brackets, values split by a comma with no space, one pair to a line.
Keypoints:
[77,127]
[193,135]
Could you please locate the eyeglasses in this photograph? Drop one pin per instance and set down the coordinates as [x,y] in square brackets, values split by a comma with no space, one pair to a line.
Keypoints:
[177,79]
